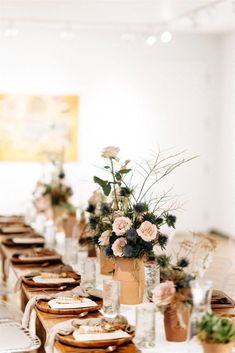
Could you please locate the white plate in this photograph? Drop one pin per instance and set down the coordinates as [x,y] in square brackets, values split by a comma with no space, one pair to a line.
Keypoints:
[85,304]
[40,279]
[99,336]
[28,240]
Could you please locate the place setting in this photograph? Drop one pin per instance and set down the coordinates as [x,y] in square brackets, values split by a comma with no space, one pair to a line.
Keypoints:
[24,241]
[36,257]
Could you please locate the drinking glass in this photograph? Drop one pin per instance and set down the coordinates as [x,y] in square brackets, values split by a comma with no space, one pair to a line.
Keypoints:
[145,325]
[111,298]
[152,278]
[201,293]
[71,252]
[88,273]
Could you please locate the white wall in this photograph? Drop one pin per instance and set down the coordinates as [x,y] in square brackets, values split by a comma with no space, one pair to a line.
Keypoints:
[225,193]
[131,95]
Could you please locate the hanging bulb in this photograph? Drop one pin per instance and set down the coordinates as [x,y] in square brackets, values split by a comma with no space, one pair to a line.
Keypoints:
[11,31]
[151,40]
[166,37]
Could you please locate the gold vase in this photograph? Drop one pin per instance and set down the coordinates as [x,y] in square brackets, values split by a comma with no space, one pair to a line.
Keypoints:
[130,274]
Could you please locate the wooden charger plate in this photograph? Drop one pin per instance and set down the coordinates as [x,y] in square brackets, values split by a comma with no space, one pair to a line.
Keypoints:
[27,261]
[30,282]
[15,229]
[70,341]
[9,242]
[42,305]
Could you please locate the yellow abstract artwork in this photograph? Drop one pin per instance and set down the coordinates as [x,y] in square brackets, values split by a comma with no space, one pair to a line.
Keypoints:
[32,127]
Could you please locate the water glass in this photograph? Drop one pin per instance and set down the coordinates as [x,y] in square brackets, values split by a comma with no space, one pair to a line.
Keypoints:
[88,273]
[71,252]
[111,298]
[145,325]
[152,278]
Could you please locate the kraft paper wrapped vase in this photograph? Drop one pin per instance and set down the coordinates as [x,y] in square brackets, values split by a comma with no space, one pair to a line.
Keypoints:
[106,264]
[130,274]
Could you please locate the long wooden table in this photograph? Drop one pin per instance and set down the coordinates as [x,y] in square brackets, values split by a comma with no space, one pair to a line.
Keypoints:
[45,321]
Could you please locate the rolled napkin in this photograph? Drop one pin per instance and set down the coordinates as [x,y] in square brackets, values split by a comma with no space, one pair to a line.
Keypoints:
[68,327]
[29,308]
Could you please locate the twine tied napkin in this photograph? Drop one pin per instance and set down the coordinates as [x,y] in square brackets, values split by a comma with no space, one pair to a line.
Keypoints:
[68,327]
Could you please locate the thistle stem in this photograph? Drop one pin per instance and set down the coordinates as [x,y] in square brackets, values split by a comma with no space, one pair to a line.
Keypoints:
[114,183]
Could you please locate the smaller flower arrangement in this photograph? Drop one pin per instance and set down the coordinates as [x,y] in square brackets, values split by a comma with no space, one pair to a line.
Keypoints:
[174,288]
[175,276]
[53,194]
[127,219]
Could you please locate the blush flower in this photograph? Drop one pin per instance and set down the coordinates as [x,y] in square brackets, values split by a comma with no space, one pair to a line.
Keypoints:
[163,293]
[121,225]
[110,152]
[104,238]
[118,246]
[147,231]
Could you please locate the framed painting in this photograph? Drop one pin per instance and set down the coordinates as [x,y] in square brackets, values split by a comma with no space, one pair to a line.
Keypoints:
[32,127]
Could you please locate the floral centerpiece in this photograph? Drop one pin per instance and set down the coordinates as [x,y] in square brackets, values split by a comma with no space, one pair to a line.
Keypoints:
[173,295]
[53,198]
[128,222]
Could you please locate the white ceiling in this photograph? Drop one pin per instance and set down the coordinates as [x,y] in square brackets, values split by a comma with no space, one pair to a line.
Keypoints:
[137,15]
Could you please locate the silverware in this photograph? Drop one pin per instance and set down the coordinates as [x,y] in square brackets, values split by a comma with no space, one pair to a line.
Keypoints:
[111,348]
[84,313]
[61,288]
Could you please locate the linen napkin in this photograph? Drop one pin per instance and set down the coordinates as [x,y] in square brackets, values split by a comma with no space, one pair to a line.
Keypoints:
[83,292]
[30,306]
[68,327]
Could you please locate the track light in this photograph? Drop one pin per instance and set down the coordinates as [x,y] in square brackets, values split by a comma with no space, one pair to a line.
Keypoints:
[11,31]
[128,36]
[151,40]
[67,33]
[166,37]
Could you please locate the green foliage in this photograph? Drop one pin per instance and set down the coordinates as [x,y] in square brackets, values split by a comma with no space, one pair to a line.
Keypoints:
[104,184]
[163,261]
[215,329]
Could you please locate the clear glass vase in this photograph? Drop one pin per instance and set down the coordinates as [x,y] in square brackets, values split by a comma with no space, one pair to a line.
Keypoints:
[201,295]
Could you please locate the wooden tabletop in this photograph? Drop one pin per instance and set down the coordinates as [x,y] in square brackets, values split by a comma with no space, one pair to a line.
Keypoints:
[46,321]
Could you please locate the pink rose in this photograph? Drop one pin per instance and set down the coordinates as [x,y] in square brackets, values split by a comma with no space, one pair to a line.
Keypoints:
[118,246]
[163,293]
[121,225]
[104,238]
[147,231]
[110,152]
